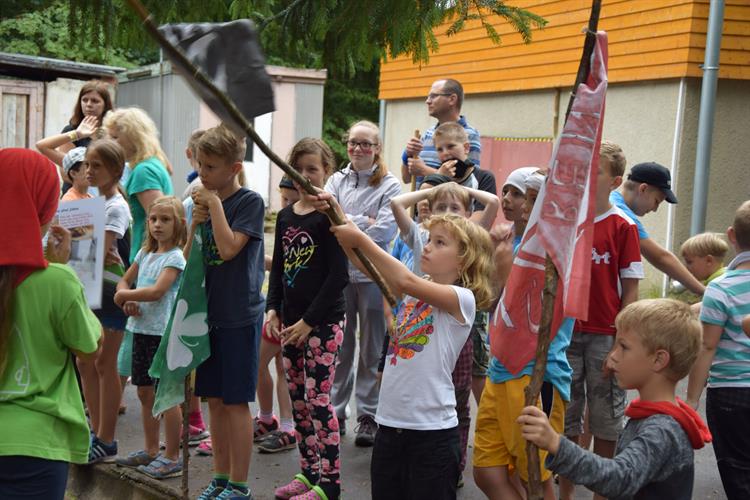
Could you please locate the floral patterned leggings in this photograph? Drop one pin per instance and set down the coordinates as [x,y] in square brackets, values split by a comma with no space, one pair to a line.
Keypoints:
[309,373]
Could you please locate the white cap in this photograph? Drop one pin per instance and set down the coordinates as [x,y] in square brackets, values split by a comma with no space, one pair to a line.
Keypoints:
[73,157]
[518,177]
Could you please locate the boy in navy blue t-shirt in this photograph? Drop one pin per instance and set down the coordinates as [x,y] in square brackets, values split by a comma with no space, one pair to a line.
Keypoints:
[233,254]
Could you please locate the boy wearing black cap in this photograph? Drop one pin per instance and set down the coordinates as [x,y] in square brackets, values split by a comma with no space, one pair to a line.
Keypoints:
[648,185]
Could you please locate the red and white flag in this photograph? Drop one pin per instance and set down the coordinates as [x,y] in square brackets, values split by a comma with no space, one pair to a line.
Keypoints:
[561,225]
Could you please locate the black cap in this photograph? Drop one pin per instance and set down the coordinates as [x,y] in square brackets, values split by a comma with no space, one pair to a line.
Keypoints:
[656,175]
[436,179]
[287,183]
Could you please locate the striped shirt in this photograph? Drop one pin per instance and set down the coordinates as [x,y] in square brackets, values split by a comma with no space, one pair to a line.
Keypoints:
[725,303]
[429,153]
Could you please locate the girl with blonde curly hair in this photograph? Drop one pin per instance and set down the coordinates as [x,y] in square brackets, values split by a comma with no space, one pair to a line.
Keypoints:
[416,450]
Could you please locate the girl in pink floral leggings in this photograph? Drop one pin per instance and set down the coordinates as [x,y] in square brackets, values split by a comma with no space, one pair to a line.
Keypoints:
[305,294]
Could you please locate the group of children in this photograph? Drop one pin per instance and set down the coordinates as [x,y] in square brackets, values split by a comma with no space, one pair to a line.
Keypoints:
[447,268]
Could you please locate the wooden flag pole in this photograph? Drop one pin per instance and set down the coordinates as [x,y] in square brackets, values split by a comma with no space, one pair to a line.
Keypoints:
[417,135]
[186,438]
[551,278]
[196,74]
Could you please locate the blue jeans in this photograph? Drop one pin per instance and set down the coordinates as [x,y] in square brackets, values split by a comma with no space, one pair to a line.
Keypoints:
[32,478]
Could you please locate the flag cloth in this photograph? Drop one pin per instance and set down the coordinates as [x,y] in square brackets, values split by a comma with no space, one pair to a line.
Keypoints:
[231,57]
[184,345]
[561,225]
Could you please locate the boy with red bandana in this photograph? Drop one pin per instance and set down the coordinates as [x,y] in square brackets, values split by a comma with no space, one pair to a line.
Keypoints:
[656,345]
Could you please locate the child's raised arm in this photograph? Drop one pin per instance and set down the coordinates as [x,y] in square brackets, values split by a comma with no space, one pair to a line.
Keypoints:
[400,205]
[398,277]
[486,217]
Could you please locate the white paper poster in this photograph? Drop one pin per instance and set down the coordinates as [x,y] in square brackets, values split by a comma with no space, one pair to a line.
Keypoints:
[85,221]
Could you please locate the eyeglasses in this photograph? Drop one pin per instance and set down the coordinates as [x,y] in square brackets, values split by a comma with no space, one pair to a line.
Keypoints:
[364,146]
[433,96]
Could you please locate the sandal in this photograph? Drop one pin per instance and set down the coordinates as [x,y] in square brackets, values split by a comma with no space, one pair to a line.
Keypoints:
[162,468]
[299,486]
[135,459]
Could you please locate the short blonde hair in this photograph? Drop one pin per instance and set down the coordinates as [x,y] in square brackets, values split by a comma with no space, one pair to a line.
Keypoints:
[475,251]
[221,141]
[449,190]
[705,244]
[180,228]
[450,130]
[615,158]
[666,324]
[140,130]
[193,140]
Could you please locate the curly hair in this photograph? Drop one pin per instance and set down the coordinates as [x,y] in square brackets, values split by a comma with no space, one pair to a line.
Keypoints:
[140,130]
[476,266]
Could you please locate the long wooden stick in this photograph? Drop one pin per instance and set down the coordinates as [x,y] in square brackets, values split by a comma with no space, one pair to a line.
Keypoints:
[417,135]
[551,279]
[198,75]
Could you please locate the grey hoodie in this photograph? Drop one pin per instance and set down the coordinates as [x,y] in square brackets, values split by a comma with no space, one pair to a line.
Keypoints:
[362,202]
[653,460]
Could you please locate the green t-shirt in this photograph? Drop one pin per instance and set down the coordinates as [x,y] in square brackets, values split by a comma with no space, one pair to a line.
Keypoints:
[41,412]
[146,175]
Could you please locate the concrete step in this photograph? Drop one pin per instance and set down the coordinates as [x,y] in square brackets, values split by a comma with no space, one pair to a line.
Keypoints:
[115,483]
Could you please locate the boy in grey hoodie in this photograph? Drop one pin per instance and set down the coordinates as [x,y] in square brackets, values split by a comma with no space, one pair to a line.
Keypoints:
[656,345]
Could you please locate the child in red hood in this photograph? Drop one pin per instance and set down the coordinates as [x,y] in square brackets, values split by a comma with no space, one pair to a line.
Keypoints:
[656,345]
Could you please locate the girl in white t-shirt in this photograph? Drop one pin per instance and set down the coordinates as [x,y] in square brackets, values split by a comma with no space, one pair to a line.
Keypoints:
[416,453]
[103,167]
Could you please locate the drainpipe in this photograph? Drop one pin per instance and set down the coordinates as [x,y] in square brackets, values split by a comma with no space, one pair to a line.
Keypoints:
[381,118]
[706,116]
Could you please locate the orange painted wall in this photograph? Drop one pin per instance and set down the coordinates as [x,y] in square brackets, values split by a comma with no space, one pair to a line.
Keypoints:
[648,39]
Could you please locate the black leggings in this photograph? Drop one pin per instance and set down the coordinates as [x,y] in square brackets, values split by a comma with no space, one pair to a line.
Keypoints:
[32,478]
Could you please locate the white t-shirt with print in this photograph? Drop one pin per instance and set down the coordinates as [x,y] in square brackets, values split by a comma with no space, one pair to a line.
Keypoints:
[417,389]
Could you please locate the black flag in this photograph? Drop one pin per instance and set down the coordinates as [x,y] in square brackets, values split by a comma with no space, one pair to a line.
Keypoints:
[230,56]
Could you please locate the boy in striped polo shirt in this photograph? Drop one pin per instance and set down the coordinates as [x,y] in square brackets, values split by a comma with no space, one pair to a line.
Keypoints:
[724,361]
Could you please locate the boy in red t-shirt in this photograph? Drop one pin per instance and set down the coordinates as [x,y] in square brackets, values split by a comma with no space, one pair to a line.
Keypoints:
[615,270]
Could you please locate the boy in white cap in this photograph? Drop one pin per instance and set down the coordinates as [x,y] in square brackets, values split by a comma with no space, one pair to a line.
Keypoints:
[72,163]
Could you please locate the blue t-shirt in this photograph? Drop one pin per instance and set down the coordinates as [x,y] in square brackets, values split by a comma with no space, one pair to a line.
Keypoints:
[234,287]
[155,315]
[615,198]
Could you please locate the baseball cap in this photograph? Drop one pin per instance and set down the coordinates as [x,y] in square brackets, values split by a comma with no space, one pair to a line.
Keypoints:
[73,158]
[656,175]
[518,177]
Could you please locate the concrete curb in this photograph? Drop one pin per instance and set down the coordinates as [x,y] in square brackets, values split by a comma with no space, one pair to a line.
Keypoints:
[115,483]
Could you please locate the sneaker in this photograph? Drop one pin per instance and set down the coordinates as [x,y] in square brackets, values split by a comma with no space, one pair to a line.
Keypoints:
[276,441]
[205,448]
[299,486]
[196,435]
[316,493]
[365,431]
[212,491]
[135,459]
[99,451]
[262,428]
[162,468]
[232,493]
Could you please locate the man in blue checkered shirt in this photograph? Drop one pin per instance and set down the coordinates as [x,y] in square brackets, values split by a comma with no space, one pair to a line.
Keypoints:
[420,158]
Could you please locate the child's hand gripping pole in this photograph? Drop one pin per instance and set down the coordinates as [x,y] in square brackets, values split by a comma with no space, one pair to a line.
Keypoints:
[417,135]
[239,120]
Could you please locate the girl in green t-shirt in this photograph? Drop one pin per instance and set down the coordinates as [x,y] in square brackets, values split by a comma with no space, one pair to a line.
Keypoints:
[43,318]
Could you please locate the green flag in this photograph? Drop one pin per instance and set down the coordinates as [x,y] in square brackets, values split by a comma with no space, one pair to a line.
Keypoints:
[184,345]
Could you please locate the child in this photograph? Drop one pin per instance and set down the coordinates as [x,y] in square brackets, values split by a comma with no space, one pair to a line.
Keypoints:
[364,189]
[271,434]
[156,271]
[104,164]
[500,460]
[231,223]
[193,178]
[43,319]
[305,290]
[514,197]
[72,166]
[416,453]
[657,343]
[724,361]
[615,270]
[704,256]
[452,146]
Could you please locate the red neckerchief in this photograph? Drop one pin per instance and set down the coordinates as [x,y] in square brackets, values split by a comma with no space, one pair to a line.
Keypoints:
[689,420]
[29,190]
